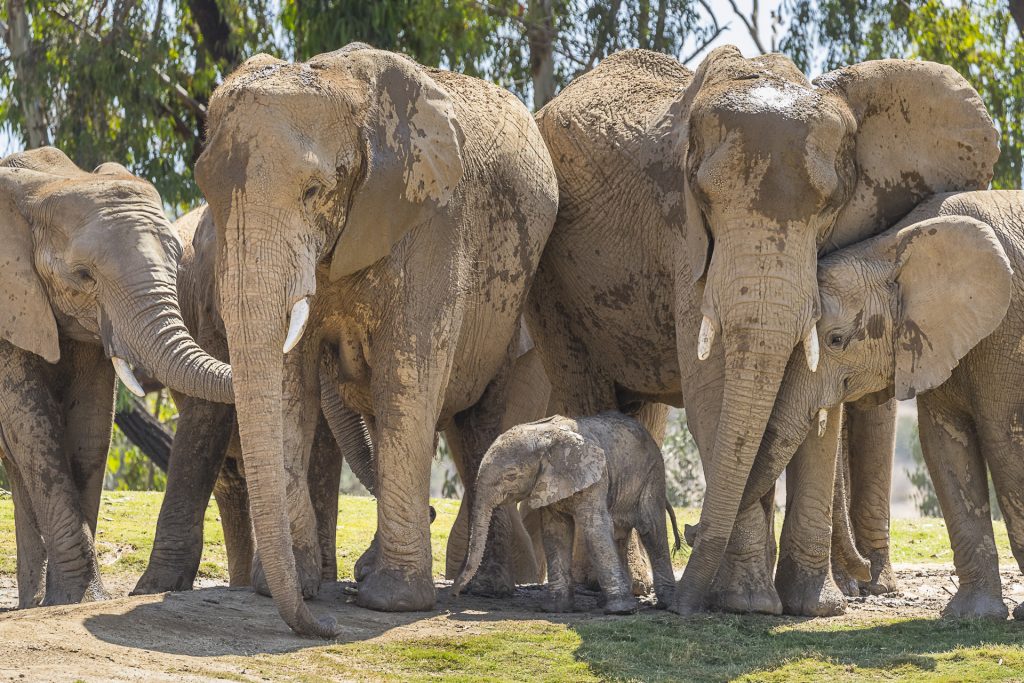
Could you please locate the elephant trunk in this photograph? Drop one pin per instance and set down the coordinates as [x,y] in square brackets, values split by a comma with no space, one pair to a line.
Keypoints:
[254,308]
[148,320]
[763,319]
[489,495]
[348,428]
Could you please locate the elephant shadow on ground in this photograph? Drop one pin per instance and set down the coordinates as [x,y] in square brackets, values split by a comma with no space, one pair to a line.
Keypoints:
[720,647]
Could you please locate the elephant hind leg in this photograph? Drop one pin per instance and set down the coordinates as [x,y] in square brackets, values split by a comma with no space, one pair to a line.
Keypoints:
[31,551]
[654,533]
[949,445]
[233,503]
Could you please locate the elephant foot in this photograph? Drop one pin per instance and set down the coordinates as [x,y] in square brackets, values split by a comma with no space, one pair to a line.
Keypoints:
[883,577]
[367,561]
[58,594]
[1018,612]
[848,585]
[492,581]
[806,592]
[687,603]
[977,601]
[159,578]
[559,601]
[622,604]
[744,587]
[307,565]
[395,590]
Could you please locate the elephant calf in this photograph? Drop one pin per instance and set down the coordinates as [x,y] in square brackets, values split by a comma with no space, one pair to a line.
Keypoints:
[934,308]
[604,475]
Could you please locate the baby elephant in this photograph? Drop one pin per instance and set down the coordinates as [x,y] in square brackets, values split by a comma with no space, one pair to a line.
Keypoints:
[603,475]
[934,308]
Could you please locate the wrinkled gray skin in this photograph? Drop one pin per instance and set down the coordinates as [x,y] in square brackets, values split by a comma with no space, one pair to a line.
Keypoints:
[88,263]
[408,207]
[602,476]
[206,442]
[684,196]
[933,307]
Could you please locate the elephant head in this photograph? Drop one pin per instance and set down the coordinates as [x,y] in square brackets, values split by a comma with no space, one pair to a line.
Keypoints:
[332,161]
[776,170]
[899,311]
[540,462]
[93,256]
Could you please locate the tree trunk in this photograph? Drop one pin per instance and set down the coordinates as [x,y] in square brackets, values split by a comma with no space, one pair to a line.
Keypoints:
[1017,12]
[19,42]
[540,33]
[146,432]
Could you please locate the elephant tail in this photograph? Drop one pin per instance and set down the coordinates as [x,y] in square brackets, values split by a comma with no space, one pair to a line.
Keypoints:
[675,526]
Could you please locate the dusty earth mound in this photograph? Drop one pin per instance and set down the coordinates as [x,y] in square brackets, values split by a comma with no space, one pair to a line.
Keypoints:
[211,633]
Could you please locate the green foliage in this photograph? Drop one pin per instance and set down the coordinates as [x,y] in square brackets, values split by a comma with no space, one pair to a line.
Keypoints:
[977,37]
[684,476]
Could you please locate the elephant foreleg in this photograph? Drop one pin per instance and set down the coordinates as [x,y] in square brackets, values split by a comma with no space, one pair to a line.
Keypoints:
[197,454]
[872,442]
[29,542]
[804,577]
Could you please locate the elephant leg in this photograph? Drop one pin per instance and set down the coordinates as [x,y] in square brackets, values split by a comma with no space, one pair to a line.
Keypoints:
[596,526]
[88,415]
[408,392]
[32,435]
[197,453]
[849,567]
[324,481]
[233,503]
[1003,449]
[300,414]
[557,531]
[654,534]
[804,577]
[744,583]
[532,525]
[872,442]
[949,445]
[29,542]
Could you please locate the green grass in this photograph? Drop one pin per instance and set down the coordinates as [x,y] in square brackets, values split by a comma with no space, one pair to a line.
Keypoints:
[647,647]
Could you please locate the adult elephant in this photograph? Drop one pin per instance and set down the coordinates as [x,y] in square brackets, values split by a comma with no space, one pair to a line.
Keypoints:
[88,263]
[398,213]
[693,207]
[205,456]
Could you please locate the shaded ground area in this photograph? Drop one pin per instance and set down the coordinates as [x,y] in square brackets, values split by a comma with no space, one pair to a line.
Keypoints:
[217,633]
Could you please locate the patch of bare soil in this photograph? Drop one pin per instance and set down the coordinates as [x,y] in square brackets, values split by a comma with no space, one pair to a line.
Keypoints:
[206,633]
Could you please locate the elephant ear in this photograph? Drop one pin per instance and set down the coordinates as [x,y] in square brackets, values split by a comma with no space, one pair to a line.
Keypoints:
[26,319]
[413,158]
[922,129]
[953,285]
[49,160]
[569,465]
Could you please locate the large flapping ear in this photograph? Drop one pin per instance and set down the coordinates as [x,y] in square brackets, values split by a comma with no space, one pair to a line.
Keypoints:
[674,128]
[953,285]
[413,157]
[26,319]
[569,465]
[922,129]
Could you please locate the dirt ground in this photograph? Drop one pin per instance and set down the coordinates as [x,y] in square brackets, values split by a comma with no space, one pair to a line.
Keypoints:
[207,633]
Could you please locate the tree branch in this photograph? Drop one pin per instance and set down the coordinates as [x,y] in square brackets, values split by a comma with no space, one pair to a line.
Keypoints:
[750,24]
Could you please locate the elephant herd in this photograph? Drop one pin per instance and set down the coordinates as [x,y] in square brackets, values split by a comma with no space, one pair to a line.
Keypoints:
[390,251]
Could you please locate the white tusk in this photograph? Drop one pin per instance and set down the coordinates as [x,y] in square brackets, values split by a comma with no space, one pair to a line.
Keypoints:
[811,351]
[822,422]
[127,377]
[296,324]
[705,338]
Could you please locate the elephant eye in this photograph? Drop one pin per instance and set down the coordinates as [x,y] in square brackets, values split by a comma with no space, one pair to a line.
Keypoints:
[310,194]
[835,340]
[84,276]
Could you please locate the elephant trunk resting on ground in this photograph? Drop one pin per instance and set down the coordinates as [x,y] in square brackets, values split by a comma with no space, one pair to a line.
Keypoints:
[88,263]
